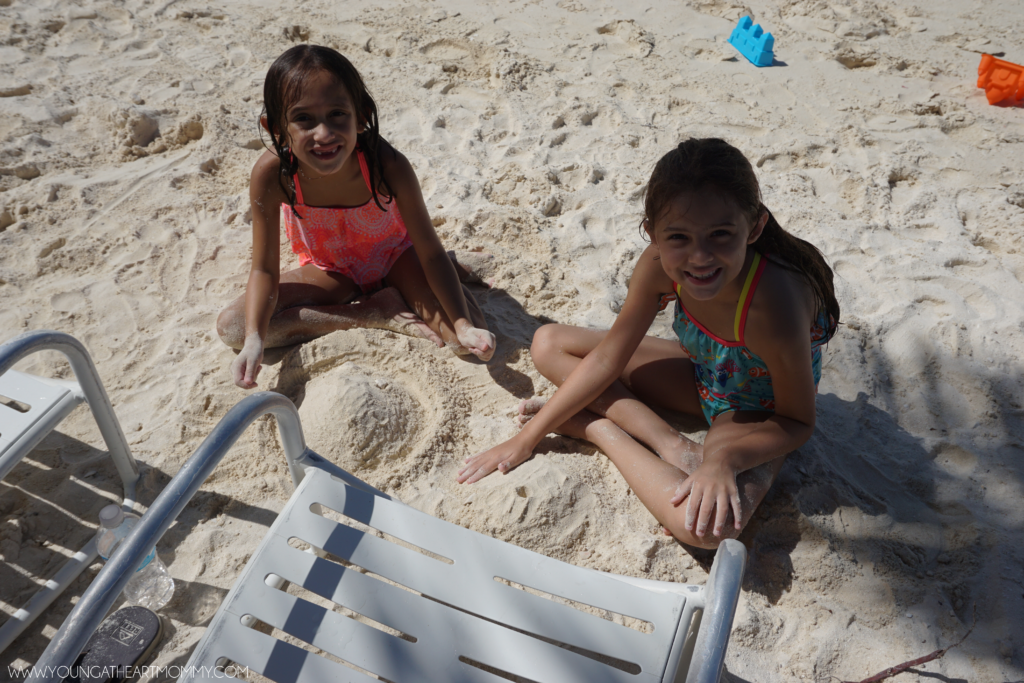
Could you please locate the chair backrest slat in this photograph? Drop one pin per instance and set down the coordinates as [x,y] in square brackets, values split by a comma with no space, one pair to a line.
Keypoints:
[442,635]
[444,620]
[469,582]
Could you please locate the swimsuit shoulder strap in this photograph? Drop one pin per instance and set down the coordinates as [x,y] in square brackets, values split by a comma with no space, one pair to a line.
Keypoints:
[298,190]
[365,169]
[295,181]
[747,295]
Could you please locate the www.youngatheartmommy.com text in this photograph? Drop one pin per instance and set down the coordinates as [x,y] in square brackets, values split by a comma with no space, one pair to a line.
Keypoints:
[86,672]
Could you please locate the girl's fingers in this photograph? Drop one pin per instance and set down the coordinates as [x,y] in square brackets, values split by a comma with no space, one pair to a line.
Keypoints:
[480,342]
[721,512]
[480,474]
[692,507]
[681,492]
[737,510]
[707,506]
[476,470]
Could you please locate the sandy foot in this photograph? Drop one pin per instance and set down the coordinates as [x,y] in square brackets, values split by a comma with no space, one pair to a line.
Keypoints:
[575,427]
[391,312]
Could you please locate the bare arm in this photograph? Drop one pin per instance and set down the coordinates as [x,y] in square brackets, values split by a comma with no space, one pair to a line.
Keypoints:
[261,291]
[593,375]
[778,330]
[437,266]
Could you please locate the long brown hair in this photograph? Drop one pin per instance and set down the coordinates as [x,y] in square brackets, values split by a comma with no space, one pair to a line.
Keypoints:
[283,86]
[700,164]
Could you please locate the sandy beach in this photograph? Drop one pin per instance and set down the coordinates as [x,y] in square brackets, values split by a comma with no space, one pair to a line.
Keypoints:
[127,133]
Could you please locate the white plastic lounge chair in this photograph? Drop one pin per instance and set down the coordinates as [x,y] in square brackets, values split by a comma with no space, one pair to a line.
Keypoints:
[30,408]
[439,602]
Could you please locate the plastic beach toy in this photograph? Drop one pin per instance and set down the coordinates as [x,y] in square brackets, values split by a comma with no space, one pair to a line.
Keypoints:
[1001,80]
[752,42]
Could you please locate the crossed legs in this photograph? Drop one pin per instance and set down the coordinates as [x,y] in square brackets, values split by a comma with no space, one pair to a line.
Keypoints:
[312,303]
[621,418]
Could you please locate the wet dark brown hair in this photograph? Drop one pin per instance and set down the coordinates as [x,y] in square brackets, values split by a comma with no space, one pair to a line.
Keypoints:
[283,86]
[710,164]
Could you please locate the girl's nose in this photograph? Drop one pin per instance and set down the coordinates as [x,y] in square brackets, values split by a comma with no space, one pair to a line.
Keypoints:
[702,252]
[323,133]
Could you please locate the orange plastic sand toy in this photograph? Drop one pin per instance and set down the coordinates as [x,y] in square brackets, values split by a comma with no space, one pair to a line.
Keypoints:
[1001,80]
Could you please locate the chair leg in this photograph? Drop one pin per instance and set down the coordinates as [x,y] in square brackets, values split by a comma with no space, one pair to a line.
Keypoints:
[721,598]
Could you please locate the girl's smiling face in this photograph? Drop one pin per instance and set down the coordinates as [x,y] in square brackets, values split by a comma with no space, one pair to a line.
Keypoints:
[322,126]
[702,239]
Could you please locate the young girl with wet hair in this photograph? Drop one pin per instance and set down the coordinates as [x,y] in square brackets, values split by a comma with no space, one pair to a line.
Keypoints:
[352,208]
[754,306]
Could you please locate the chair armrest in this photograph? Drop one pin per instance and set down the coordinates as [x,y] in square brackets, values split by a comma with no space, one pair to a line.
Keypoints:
[87,614]
[721,597]
[88,379]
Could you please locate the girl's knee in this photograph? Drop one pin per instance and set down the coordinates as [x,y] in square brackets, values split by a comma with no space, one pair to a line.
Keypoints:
[545,342]
[677,528]
[708,542]
[231,327]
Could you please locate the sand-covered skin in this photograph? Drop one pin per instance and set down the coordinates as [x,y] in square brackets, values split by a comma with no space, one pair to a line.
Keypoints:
[127,132]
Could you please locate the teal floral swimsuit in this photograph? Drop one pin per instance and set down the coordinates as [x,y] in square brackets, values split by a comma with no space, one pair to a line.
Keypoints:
[728,375]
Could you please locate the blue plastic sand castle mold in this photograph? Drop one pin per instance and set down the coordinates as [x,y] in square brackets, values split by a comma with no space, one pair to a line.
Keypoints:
[752,42]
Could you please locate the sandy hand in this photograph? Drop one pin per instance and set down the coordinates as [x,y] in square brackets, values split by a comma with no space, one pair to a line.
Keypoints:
[248,363]
[502,458]
[480,343]
[710,493]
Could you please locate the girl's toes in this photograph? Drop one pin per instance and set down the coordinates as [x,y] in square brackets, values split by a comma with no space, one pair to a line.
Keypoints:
[531,406]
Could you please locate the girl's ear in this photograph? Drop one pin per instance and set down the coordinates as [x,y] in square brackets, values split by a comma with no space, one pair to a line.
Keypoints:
[648,228]
[263,123]
[755,234]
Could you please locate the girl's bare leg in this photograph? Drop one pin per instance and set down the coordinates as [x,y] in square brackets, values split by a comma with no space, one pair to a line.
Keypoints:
[654,481]
[408,277]
[659,373]
[312,303]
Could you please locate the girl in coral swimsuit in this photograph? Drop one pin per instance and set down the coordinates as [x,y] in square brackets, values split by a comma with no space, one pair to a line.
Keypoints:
[352,208]
[754,306]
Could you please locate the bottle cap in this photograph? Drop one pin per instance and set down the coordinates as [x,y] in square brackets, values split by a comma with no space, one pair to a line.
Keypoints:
[111,516]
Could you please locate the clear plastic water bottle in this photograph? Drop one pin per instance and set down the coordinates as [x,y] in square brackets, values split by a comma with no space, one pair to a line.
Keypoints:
[151,586]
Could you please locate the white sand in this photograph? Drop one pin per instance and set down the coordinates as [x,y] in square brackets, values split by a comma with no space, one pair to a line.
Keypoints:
[128,130]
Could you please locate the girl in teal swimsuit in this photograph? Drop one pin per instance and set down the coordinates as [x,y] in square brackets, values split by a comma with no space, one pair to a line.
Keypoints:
[754,306]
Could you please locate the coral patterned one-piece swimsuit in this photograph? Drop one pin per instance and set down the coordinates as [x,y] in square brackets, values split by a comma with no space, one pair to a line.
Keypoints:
[360,242]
